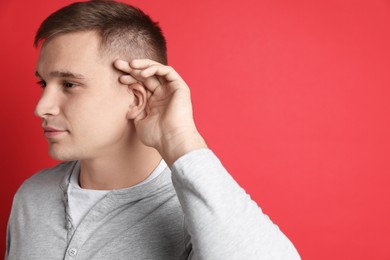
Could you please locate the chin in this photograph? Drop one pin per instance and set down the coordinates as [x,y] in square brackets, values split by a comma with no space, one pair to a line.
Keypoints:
[59,155]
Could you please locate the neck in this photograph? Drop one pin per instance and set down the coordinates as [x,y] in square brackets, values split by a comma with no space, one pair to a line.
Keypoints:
[121,169]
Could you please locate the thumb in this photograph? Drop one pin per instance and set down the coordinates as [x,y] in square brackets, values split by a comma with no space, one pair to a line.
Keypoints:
[141,116]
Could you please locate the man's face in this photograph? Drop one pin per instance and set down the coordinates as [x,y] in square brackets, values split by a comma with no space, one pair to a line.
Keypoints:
[83,106]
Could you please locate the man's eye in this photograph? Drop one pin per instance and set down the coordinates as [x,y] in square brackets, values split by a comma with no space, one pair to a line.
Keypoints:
[42,83]
[69,85]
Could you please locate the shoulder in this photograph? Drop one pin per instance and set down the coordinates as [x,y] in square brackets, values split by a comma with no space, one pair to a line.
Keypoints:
[45,181]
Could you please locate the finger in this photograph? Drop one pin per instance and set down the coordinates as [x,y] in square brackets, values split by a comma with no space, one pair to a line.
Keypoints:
[167,72]
[151,67]
[142,63]
[127,80]
[151,83]
[149,94]
[122,65]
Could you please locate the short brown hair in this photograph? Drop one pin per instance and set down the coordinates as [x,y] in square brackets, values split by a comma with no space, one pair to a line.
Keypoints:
[123,29]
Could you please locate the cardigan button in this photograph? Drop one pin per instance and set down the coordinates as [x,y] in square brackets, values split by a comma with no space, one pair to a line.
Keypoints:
[72,252]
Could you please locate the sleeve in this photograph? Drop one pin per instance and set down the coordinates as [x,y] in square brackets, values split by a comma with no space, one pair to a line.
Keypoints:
[223,222]
[8,241]
[9,224]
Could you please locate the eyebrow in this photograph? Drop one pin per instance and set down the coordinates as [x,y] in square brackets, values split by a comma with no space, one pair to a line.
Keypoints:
[62,74]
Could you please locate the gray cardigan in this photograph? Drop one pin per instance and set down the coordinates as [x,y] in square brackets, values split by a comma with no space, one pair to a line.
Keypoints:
[197,211]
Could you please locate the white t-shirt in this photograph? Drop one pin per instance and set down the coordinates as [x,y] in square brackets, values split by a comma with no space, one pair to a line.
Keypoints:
[82,200]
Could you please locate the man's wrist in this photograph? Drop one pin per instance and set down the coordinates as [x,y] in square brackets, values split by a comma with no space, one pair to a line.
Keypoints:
[175,146]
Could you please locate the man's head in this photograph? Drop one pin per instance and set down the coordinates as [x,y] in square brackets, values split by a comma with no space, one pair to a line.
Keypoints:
[85,111]
[124,31]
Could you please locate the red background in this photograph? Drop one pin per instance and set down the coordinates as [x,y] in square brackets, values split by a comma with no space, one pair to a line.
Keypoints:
[293,96]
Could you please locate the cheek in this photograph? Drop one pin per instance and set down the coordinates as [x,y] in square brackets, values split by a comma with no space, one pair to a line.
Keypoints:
[98,116]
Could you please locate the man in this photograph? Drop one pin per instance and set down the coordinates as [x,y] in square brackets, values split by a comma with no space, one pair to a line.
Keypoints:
[137,181]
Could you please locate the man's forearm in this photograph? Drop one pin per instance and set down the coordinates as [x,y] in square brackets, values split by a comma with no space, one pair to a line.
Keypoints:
[222,220]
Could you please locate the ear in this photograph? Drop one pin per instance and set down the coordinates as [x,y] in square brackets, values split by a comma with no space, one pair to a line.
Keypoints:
[138,103]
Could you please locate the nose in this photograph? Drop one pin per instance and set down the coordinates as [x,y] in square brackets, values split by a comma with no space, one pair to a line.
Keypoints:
[48,104]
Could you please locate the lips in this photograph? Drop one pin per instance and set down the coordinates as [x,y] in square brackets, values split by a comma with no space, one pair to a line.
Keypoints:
[51,132]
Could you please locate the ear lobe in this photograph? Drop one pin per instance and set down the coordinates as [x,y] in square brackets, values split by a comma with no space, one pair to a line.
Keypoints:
[138,103]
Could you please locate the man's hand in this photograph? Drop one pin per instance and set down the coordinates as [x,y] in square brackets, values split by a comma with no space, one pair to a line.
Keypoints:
[167,123]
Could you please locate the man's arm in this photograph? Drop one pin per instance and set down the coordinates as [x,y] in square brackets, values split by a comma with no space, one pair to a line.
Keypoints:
[222,221]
